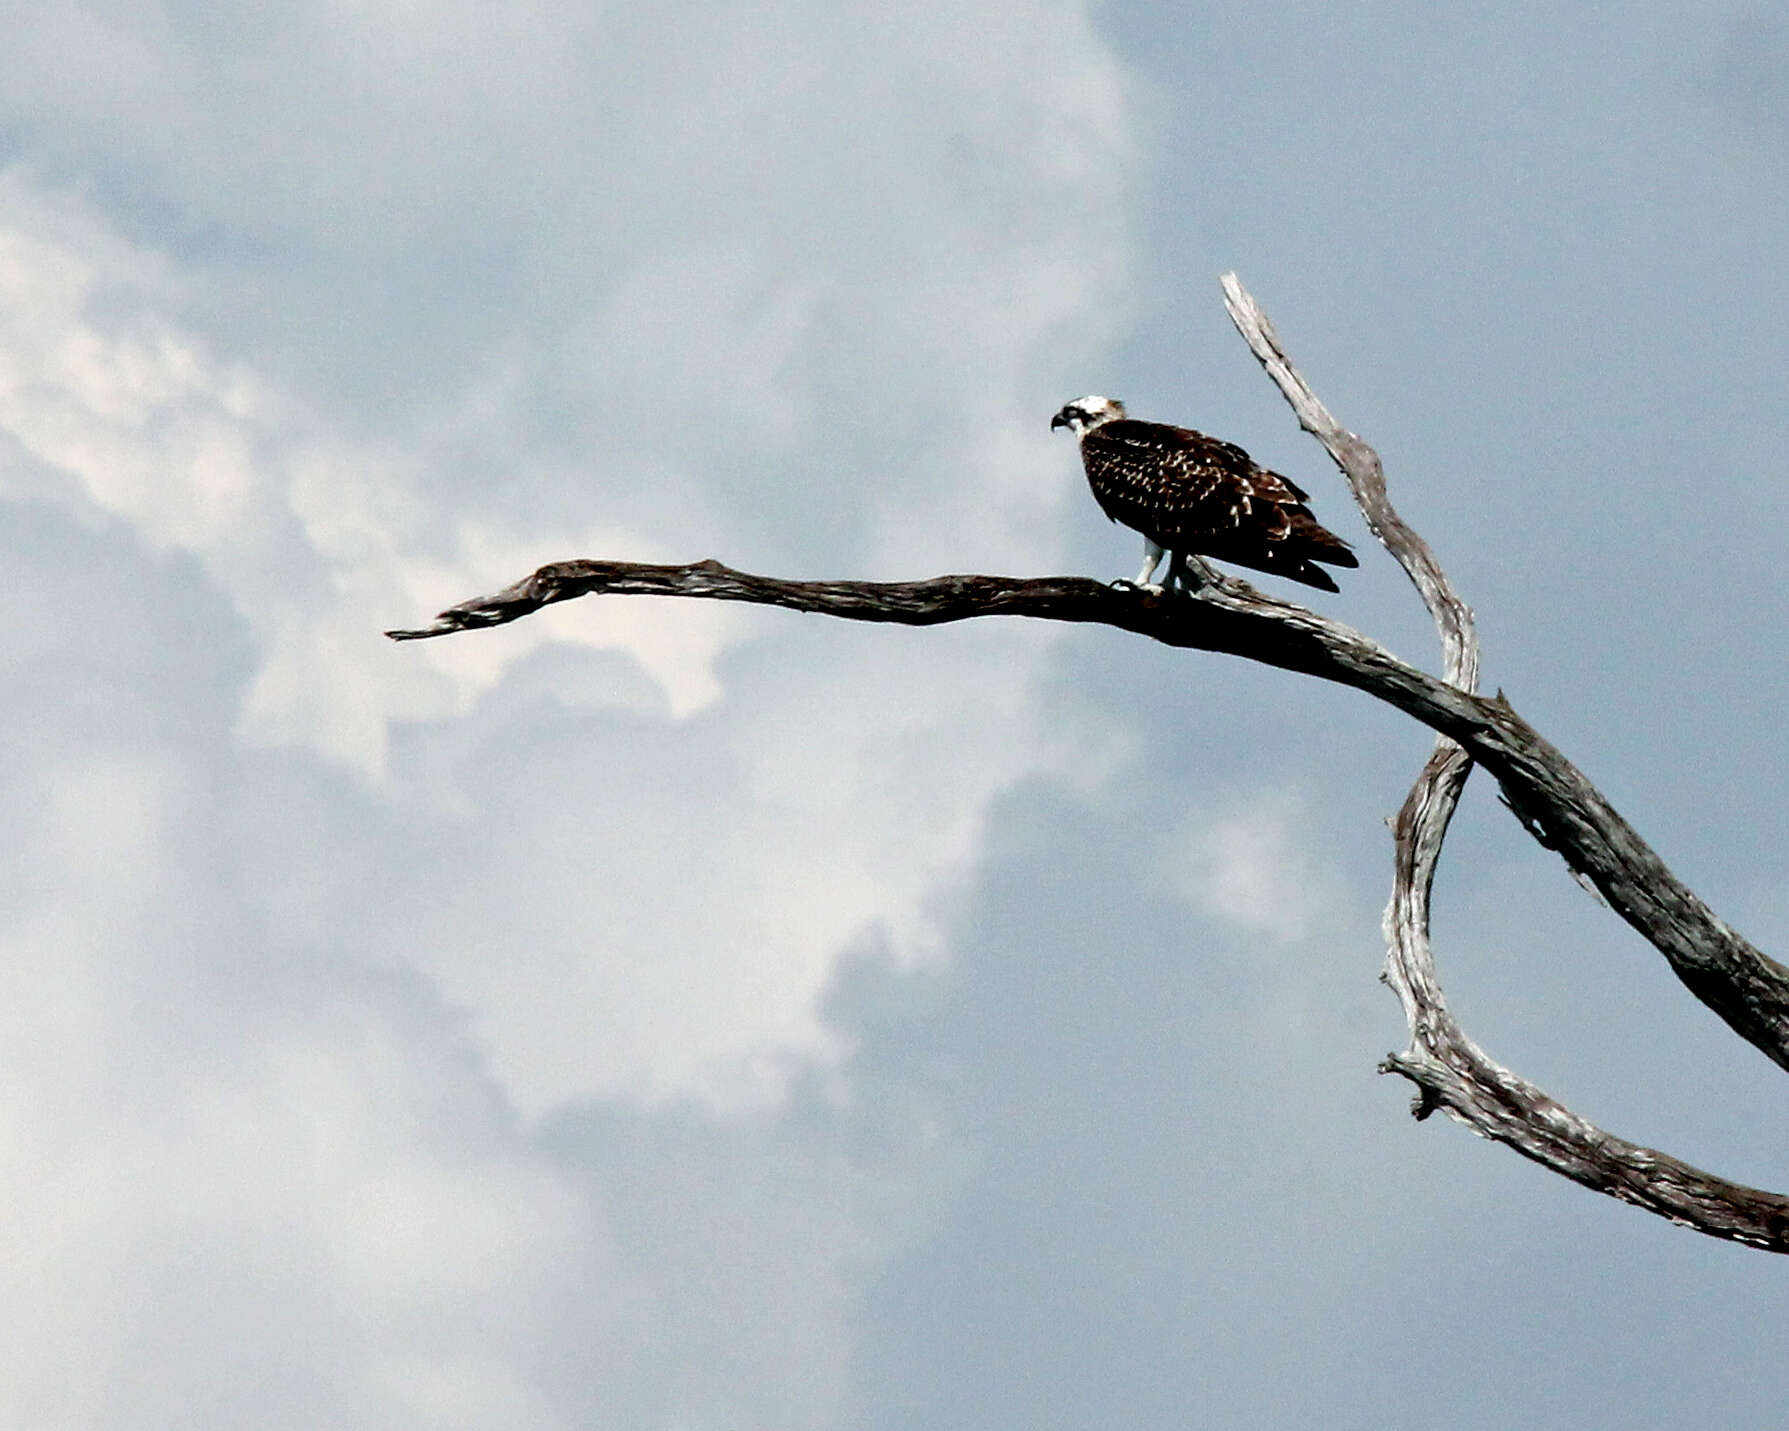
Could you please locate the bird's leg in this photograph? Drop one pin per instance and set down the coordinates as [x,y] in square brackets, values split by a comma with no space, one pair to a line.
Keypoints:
[1152,558]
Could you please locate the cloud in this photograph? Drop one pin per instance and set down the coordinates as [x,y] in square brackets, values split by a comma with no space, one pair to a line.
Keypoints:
[783,292]
[234,1151]
[1247,866]
[666,1015]
[313,322]
[261,1170]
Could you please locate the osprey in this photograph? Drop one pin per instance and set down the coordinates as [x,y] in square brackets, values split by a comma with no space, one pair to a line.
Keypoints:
[1186,492]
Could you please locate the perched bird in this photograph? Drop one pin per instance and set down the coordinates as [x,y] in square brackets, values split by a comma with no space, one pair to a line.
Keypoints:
[1188,493]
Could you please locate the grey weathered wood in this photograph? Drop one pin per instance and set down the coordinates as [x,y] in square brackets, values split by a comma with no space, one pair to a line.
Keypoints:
[1556,803]
[1450,1070]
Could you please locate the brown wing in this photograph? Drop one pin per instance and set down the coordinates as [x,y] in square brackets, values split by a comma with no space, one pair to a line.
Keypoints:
[1193,493]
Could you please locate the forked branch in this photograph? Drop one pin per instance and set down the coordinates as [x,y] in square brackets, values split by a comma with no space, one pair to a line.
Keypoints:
[1450,1070]
[1556,803]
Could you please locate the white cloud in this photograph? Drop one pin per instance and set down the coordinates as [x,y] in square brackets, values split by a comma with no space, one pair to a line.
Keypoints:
[227,1205]
[315,537]
[258,1171]
[1249,865]
[315,320]
[782,292]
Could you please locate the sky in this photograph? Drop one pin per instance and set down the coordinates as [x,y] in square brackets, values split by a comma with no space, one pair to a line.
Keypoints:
[673,1017]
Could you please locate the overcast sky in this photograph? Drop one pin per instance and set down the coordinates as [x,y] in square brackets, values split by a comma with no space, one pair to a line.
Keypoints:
[658,1015]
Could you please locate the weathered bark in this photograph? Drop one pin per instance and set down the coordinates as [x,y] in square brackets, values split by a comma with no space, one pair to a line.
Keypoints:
[1449,1069]
[1555,802]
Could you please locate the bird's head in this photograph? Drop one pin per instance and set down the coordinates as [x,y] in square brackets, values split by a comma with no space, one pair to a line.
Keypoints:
[1084,414]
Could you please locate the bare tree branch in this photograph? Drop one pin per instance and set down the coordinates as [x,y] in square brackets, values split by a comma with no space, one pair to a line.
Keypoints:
[1450,1070]
[1748,990]
[1555,801]
[1366,479]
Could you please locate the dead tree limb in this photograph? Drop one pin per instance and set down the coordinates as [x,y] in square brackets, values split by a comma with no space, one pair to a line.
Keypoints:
[1449,1069]
[1554,800]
